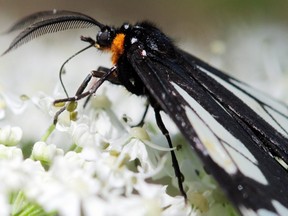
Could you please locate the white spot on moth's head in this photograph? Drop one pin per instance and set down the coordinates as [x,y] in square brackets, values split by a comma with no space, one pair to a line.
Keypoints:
[126,26]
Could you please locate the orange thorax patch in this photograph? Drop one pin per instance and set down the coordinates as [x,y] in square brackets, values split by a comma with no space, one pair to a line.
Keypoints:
[117,47]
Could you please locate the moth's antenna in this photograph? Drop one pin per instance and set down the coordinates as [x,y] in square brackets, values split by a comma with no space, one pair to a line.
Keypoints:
[62,70]
[46,22]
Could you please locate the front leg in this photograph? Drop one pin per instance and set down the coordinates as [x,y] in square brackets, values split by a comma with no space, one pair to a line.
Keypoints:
[102,73]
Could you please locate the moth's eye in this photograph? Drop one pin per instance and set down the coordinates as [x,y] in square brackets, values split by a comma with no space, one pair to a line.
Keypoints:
[105,37]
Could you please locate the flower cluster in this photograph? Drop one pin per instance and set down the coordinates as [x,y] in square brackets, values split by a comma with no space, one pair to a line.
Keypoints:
[99,165]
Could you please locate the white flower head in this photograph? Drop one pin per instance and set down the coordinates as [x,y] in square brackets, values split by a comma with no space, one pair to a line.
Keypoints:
[45,153]
[16,173]
[10,136]
[111,168]
[12,153]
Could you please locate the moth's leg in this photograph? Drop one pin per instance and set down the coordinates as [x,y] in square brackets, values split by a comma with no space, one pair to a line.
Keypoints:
[141,123]
[179,175]
[80,91]
[100,72]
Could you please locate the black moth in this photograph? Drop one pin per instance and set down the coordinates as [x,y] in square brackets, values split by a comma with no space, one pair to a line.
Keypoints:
[240,135]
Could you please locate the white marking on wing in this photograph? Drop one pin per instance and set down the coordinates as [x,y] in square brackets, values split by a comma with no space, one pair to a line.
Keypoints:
[247,212]
[245,166]
[281,107]
[255,105]
[210,141]
[281,210]
[227,151]
[265,212]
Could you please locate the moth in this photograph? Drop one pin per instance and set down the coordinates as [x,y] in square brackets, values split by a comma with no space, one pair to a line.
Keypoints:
[240,135]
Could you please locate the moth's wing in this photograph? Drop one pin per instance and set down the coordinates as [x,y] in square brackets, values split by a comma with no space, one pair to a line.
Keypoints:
[265,116]
[271,110]
[233,151]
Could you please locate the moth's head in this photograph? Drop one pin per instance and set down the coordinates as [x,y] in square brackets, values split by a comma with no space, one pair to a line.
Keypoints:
[105,37]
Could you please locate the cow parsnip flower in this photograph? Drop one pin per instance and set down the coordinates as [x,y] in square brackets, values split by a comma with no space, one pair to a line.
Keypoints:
[109,168]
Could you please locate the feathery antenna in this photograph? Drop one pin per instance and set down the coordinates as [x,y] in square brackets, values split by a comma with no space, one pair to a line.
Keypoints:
[46,22]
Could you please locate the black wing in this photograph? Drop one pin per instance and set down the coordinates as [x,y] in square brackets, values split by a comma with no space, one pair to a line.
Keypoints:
[246,154]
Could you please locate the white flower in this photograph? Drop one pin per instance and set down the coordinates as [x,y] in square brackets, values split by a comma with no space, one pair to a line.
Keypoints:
[83,136]
[176,206]
[110,168]
[13,102]
[118,206]
[45,153]
[10,136]
[65,186]
[15,172]
[10,153]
